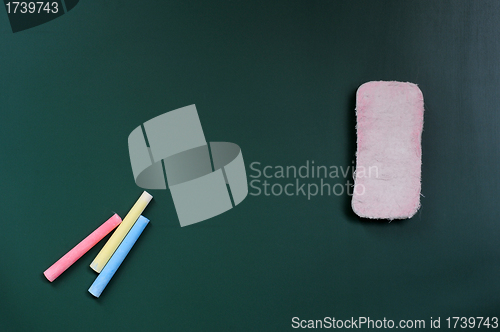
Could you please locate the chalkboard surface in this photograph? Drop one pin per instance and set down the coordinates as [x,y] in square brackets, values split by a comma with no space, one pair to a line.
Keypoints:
[278,78]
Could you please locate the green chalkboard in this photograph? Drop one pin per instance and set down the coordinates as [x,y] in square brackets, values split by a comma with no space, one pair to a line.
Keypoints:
[278,78]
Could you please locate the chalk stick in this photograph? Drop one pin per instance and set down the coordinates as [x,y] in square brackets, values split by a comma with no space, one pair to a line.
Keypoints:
[81,248]
[389,154]
[114,241]
[115,261]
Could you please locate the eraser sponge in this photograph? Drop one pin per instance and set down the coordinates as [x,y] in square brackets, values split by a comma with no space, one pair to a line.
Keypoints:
[389,154]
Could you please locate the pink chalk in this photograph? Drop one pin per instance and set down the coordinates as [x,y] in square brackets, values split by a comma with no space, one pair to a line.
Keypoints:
[389,156]
[81,248]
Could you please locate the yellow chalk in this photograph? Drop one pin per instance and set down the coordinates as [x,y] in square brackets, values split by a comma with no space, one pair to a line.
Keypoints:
[114,241]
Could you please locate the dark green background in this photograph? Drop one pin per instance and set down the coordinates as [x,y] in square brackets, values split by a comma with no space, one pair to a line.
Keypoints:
[278,78]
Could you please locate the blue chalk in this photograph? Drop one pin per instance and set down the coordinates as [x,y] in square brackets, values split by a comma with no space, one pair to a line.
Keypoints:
[121,252]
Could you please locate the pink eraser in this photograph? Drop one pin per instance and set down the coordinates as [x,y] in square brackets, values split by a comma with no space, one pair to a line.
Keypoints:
[81,248]
[390,117]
